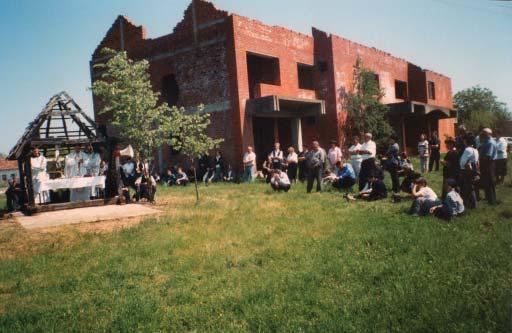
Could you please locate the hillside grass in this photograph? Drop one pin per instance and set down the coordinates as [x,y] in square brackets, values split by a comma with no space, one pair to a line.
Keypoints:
[248,259]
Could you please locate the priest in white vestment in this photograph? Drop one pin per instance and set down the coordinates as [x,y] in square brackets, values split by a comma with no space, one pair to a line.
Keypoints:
[75,167]
[92,166]
[39,175]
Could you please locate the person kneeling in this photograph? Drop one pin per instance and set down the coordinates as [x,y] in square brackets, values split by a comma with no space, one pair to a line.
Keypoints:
[146,188]
[181,177]
[374,189]
[279,181]
[346,177]
[425,198]
[452,206]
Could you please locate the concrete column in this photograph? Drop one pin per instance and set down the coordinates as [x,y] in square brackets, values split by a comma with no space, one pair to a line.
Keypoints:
[297,133]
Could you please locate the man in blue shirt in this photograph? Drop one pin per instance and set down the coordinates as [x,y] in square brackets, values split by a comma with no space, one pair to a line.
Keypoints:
[488,153]
[346,176]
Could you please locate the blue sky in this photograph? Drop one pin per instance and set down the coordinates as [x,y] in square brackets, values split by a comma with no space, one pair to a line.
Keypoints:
[46,45]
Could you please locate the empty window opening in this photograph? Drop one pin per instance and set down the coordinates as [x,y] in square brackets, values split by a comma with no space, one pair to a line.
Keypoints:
[170,90]
[431,90]
[305,74]
[262,69]
[400,89]
[376,79]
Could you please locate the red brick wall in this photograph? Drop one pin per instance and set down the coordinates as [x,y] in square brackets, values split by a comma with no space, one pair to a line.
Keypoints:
[443,88]
[446,128]
[208,57]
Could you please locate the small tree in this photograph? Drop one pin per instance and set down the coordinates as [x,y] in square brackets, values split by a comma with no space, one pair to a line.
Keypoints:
[365,111]
[127,96]
[192,137]
[478,107]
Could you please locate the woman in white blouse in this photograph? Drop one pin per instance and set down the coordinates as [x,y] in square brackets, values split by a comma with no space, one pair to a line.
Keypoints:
[423,151]
[355,157]
[292,160]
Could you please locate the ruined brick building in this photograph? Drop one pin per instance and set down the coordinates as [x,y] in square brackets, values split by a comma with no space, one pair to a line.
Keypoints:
[264,83]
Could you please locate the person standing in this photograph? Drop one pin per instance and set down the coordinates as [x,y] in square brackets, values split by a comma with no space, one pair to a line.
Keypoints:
[218,167]
[355,157]
[423,153]
[315,160]
[249,161]
[368,151]
[92,162]
[392,162]
[292,160]
[501,158]
[334,155]
[277,157]
[435,152]
[450,164]
[468,165]
[13,195]
[75,163]
[488,155]
[302,164]
[38,167]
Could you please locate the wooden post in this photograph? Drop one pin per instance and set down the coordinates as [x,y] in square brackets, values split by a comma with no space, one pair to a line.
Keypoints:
[30,185]
[22,180]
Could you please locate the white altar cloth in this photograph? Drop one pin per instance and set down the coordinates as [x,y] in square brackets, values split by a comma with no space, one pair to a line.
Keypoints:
[78,182]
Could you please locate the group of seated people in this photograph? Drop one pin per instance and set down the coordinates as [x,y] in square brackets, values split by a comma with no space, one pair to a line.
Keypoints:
[136,175]
[210,170]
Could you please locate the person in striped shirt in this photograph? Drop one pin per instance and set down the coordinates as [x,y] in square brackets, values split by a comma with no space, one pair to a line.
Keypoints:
[452,206]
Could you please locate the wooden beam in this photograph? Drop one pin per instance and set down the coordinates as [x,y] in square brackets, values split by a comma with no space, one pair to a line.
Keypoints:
[73,205]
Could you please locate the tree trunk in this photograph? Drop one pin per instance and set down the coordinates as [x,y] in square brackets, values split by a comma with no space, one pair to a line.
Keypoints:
[197,190]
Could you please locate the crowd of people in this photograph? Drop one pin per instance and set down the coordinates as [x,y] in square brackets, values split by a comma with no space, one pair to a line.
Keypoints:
[472,164]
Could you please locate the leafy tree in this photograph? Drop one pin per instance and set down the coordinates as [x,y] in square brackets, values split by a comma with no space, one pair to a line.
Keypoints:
[365,111]
[192,137]
[478,106]
[128,97]
[2,155]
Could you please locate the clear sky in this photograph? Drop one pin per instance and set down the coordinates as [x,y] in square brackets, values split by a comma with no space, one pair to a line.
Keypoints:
[46,45]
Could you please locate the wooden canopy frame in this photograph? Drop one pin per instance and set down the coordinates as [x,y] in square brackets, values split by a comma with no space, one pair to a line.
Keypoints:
[62,124]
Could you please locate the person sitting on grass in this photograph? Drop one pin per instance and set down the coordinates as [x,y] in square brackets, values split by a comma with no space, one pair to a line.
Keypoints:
[373,190]
[146,187]
[452,206]
[410,177]
[405,162]
[181,177]
[329,177]
[424,198]
[169,177]
[345,178]
[279,180]
[209,176]
[230,175]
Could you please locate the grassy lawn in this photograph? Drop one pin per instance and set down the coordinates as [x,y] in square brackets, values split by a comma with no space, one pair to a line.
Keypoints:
[247,259]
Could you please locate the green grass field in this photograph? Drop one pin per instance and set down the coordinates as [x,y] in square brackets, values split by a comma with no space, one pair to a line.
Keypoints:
[247,259]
